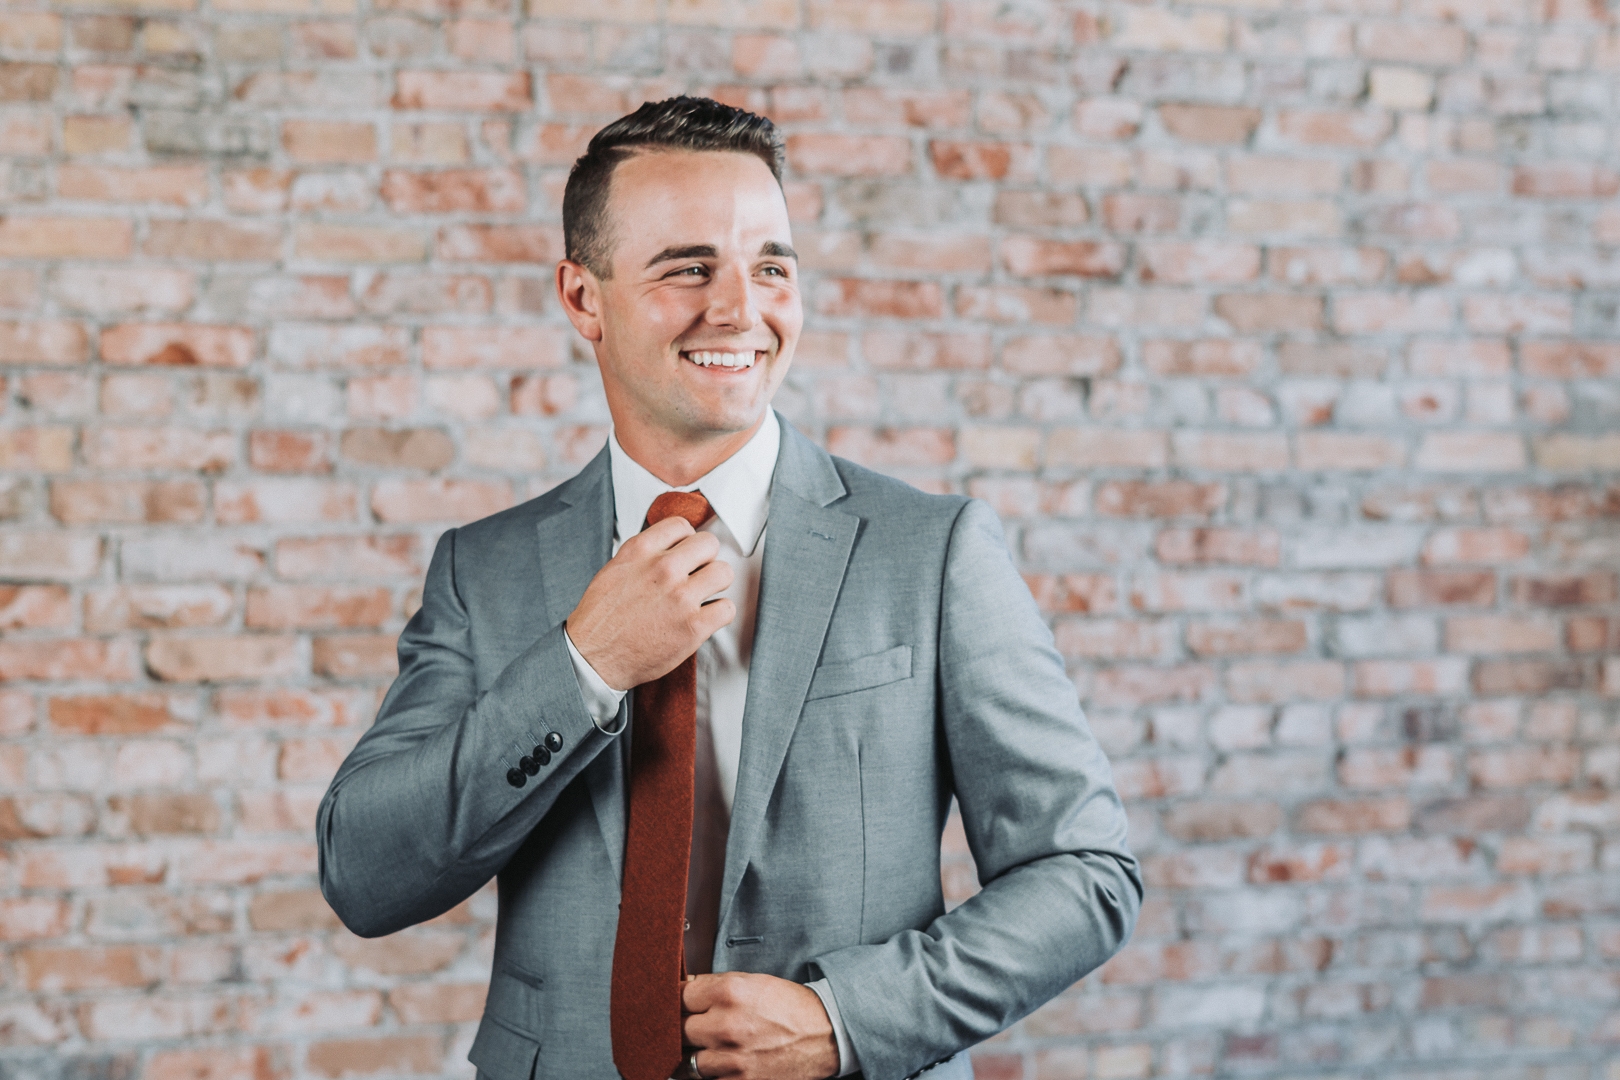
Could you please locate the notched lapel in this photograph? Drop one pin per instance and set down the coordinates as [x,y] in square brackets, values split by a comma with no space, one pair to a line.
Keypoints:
[807,548]
[576,540]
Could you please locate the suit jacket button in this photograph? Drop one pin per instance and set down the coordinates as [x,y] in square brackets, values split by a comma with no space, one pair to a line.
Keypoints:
[529,765]
[516,777]
[542,755]
[553,741]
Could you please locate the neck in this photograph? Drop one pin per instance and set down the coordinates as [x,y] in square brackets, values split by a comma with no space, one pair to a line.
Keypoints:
[676,461]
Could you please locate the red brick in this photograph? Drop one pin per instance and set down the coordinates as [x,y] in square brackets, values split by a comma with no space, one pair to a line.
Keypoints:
[1033,256]
[219,659]
[959,160]
[880,447]
[79,502]
[1060,355]
[846,297]
[457,501]
[1441,588]
[1354,816]
[1227,451]
[29,607]
[65,238]
[452,190]
[1571,359]
[161,448]
[849,155]
[499,243]
[327,142]
[1301,680]
[214,1063]
[72,658]
[348,558]
[58,969]
[1210,545]
[176,185]
[1501,634]
[1106,447]
[358,243]
[1207,262]
[284,500]
[289,451]
[1217,124]
[43,342]
[409,448]
[214,241]
[1247,637]
[130,714]
[177,345]
[438,1003]
[353,656]
[376,1054]
[494,347]
[1358,129]
[1565,590]
[462,91]
[1217,357]
[1566,180]
[1165,499]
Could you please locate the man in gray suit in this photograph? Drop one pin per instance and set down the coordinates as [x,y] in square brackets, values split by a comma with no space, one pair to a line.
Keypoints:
[832,686]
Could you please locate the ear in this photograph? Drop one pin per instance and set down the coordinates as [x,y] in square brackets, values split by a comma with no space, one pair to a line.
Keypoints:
[581,296]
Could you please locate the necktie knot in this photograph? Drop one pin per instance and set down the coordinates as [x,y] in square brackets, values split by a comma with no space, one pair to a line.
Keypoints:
[690,505]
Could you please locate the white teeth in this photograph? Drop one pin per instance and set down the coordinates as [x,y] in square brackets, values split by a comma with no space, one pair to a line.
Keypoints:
[723,359]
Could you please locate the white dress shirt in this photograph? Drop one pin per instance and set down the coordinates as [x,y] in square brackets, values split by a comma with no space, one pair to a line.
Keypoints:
[739,491]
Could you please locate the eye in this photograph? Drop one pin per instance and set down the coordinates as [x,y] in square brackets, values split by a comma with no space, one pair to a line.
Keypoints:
[689,271]
[777,270]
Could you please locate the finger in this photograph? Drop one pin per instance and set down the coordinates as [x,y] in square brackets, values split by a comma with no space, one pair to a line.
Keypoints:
[693,551]
[717,1064]
[707,581]
[701,1029]
[711,617]
[697,993]
[658,537]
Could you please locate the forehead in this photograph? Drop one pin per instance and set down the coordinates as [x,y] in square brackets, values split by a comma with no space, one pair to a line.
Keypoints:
[664,198]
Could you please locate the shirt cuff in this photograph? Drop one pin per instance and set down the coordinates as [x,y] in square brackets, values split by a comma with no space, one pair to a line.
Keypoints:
[601,700]
[847,1062]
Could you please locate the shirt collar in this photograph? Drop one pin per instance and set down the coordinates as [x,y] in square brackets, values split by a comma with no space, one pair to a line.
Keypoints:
[739,488]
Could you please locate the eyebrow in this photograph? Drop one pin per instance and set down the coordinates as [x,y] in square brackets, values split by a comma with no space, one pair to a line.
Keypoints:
[709,251]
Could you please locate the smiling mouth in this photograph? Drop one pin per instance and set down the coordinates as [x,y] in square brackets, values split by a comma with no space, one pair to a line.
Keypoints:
[716,358]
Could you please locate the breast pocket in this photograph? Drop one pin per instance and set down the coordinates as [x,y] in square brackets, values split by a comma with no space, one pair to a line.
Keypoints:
[862,673]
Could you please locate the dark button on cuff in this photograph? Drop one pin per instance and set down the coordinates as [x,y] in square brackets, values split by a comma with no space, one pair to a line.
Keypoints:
[516,777]
[529,765]
[542,755]
[553,741]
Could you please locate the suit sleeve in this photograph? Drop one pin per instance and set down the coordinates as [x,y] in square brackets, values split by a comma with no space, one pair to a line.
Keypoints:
[1043,821]
[421,814]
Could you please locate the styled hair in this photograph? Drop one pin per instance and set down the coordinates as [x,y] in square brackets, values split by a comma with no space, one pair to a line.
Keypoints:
[677,123]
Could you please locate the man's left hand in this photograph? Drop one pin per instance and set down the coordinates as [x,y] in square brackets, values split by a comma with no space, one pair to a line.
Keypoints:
[757,1027]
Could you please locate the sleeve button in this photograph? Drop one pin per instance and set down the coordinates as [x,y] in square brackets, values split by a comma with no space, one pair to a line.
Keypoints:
[516,777]
[554,741]
[529,765]
[542,755]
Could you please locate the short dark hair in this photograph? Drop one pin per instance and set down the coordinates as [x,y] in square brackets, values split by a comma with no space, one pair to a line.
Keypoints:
[677,123]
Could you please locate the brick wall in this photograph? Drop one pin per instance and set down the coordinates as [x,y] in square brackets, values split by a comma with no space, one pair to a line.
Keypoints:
[1284,336]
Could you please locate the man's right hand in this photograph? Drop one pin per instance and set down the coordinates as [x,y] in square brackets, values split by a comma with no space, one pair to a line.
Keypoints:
[643,613]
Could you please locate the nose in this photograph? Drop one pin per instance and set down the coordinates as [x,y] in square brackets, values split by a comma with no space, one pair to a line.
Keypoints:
[731,299]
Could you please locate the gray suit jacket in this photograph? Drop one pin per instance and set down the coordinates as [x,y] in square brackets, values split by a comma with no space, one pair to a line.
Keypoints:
[898,660]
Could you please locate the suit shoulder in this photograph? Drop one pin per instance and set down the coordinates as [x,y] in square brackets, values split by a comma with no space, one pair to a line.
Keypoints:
[875,495]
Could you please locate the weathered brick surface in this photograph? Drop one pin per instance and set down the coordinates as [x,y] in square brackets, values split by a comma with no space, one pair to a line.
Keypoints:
[1283,337]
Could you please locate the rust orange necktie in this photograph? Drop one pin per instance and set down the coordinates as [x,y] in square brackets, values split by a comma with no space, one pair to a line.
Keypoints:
[647,961]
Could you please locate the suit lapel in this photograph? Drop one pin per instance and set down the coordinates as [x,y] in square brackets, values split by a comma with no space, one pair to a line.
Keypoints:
[576,540]
[807,547]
